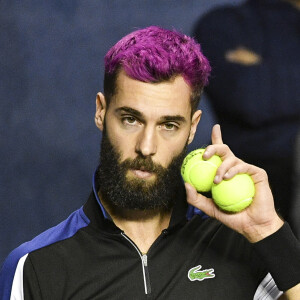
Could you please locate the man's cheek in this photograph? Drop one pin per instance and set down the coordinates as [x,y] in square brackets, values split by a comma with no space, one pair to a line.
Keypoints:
[124,155]
[168,160]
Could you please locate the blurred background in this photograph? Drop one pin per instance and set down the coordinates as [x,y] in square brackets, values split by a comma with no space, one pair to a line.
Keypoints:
[51,58]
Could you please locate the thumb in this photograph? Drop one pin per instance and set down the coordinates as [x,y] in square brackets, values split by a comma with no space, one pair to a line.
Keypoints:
[199,201]
[192,196]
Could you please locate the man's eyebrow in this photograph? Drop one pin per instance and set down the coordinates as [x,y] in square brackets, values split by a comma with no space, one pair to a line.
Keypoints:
[139,115]
[177,118]
[130,111]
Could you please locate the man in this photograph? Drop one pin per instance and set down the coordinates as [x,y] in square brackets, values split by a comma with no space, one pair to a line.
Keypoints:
[132,239]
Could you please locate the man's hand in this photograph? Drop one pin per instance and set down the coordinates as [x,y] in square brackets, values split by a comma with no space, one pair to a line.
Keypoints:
[256,221]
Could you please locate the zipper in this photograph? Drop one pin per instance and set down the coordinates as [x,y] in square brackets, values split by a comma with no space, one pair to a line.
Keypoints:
[144,260]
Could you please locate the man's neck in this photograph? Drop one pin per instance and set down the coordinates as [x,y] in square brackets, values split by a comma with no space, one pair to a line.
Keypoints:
[143,231]
[142,227]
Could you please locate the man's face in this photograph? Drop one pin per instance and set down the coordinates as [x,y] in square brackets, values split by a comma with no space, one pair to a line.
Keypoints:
[147,126]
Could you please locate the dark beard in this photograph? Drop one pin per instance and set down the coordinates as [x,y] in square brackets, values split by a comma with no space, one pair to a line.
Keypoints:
[119,193]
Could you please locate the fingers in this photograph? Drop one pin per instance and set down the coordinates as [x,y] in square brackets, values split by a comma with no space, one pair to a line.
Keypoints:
[221,150]
[216,135]
[228,169]
[229,161]
[217,146]
[231,165]
[258,175]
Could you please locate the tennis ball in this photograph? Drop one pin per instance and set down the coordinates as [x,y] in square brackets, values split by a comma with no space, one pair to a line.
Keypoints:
[235,194]
[198,172]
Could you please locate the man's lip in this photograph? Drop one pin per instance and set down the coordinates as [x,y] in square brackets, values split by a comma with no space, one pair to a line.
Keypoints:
[141,173]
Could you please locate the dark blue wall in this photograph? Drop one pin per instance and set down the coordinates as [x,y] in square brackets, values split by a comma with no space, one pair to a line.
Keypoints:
[51,58]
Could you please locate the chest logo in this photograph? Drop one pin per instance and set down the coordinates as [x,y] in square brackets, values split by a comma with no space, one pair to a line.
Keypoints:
[196,274]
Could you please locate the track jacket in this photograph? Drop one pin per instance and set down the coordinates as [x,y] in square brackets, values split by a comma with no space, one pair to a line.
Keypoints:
[88,257]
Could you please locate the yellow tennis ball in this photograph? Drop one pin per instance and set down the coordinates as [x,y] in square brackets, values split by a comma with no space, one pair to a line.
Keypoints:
[198,172]
[235,194]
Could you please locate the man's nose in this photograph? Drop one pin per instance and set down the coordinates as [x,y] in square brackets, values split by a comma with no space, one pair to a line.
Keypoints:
[147,142]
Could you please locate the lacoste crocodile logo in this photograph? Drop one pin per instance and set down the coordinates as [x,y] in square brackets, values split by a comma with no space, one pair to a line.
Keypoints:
[196,274]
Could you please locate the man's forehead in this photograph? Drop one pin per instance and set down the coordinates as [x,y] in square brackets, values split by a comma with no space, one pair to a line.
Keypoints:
[168,97]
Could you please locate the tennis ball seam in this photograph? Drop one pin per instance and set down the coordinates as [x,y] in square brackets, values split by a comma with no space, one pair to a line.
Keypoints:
[199,172]
[198,162]
[237,203]
[189,157]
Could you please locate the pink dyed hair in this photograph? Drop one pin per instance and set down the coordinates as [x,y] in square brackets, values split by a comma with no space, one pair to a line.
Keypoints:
[154,54]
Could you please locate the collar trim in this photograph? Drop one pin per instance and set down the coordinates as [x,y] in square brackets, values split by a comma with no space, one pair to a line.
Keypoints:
[104,212]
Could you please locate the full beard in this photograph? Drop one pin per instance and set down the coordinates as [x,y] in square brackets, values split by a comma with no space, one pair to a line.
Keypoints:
[119,192]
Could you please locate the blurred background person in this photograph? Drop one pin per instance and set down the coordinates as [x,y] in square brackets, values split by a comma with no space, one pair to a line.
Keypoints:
[254,50]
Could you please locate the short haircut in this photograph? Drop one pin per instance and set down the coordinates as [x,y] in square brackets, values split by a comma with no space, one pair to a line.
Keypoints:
[153,55]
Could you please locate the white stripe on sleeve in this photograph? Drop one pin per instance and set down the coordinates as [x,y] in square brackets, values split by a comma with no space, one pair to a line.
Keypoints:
[267,290]
[17,285]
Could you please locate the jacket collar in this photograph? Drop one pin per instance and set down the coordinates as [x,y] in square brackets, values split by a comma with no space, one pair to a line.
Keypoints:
[101,219]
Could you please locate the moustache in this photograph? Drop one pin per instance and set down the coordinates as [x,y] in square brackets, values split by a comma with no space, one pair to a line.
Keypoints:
[144,164]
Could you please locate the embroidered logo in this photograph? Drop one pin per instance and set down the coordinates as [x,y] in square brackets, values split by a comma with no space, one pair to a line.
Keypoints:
[196,274]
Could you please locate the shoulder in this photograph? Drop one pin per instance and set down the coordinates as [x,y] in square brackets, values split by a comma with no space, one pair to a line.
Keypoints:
[18,256]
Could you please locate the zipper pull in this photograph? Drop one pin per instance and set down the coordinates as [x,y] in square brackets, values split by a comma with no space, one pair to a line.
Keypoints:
[145,260]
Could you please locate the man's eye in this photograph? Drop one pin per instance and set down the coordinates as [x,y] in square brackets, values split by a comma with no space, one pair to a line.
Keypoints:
[170,126]
[129,120]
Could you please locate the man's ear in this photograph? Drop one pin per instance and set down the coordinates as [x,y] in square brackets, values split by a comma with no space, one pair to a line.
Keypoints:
[100,110]
[195,120]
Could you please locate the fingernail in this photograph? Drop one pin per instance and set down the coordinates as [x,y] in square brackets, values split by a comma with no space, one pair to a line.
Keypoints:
[217,178]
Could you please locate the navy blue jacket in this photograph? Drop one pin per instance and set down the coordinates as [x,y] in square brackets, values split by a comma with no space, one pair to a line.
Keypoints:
[88,257]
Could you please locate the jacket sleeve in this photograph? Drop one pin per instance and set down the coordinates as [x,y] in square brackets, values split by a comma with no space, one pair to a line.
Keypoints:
[31,286]
[267,289]
[18,280]
[11,276]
